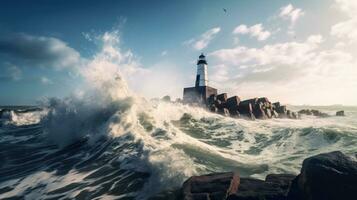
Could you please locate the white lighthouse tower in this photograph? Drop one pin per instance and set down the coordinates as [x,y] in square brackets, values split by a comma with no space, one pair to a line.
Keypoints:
[201,77]
[201,91]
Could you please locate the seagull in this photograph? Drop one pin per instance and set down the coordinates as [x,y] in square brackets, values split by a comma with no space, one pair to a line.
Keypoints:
[225,10]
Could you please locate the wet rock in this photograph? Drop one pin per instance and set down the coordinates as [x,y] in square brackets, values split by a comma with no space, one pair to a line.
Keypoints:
[222,97]
[279,108]
[259,111]
[233,102]
[232,105]
[223,111]
[313,112]
[216,186]
[275,187]
[268,113]
[328,176]
[211,99]
[213,108]
[340,113]
[275,114]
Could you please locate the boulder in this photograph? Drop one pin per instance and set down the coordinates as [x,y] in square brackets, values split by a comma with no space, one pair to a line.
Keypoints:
[209,187]
[223,111]
[222,97]
[275,187]
[340,113]
[258,111]
[268,113]
[234,113]
[265,101]
[276,104]
[233,103]
[211,99]
[218,103]
[213,108]
[327,176]
[275,114]
[280,109]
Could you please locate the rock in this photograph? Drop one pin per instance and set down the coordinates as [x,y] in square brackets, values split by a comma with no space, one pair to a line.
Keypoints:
[327,176]
[166,98]
[268,113]
[275,114]
[340,113]
[232,105]
[211,99]
[258,111]
[313,112]
[213,108]
[222,97]
[223,111]
[218,103]
[275,187]
[234,113]
[280,109]
[283,180]
[210,187]
[265,101]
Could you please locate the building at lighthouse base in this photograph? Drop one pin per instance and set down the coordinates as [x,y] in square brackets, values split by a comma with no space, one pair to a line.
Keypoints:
[198,94]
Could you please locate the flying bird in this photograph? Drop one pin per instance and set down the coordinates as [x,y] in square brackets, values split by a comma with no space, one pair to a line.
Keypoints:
[225,10]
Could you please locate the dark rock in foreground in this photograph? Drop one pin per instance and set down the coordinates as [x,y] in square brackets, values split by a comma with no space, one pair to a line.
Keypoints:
[211,186]
[328,176]
[275,187]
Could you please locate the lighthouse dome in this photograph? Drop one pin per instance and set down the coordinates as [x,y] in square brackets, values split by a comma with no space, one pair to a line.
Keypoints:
[201,59]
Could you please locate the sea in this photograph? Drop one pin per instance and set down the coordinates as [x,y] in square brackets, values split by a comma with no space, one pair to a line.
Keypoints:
[134,148]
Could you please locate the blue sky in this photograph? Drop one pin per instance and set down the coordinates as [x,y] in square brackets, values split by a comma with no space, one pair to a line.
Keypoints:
[299,52]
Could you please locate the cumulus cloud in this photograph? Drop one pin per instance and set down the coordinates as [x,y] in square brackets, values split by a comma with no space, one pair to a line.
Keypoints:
[256,31]
[346,29]
[284,71]
[36,51]
[203,40]
[290,13]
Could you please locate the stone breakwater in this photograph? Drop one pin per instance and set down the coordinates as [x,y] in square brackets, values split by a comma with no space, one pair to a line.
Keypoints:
[327,176]
[256,108]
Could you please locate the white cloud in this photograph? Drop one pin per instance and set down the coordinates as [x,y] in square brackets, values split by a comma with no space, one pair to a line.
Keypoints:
[46,81]
[290,13]
[294,72]
[256,31]
[203,41]
[346,29]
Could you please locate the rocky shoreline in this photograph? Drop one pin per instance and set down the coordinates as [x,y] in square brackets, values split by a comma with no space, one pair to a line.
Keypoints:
[327,176]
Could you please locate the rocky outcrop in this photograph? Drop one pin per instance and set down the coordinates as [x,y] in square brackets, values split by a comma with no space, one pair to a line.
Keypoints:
[275,187]
[328,176]
[313,112]
[340,113]
[211,186]
[256,108]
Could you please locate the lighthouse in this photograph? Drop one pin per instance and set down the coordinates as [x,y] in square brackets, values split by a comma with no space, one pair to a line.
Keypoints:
[201,77]
[201,91]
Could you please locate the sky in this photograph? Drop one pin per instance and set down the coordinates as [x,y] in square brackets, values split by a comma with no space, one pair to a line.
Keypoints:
[300,52]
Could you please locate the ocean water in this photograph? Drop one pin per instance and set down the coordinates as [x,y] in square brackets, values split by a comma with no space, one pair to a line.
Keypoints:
[132,148]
